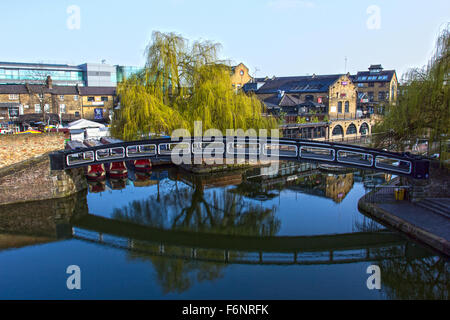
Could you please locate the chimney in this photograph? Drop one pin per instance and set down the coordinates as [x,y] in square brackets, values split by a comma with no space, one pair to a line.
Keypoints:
[49,82]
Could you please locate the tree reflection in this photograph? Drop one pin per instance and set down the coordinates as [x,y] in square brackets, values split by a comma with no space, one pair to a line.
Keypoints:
[194,209]
[421,278]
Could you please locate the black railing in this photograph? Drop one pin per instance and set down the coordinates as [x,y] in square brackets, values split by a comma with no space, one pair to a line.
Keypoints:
[388,193]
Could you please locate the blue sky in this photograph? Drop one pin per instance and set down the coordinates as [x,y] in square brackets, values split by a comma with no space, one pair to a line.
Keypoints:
[278,37]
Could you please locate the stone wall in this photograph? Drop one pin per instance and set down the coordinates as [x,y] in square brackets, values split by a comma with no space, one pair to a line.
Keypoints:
[17,148]
[32,180]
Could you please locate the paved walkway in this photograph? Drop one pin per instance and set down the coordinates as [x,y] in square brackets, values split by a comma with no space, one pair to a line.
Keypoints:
[417,222]
[420,217]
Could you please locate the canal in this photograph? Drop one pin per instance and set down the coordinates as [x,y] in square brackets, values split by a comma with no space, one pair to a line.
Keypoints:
[293,232]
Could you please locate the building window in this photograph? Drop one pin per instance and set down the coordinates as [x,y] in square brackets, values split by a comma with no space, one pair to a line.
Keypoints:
[13,97]
[75,98]
[41,96]
[77,113]
[37,108]
[340,107]
[381,95]
[46,108]
[62,108]
[371,84]
[364,129]
[347,107]
[337,131]
[382,84]
[370,96]
[105,99]
[61,98]
[351,129]
[91,99]
[361,85]
[309,98]
[387,95]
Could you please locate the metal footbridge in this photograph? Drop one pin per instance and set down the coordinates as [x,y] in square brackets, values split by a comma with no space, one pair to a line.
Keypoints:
[233,148]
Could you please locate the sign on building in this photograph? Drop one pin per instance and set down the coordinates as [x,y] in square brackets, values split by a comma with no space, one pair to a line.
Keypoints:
[98,114]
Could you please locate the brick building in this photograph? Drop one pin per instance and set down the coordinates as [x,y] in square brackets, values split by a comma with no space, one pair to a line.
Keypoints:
[240,76]
[376,88]
[307,104]
[67,103]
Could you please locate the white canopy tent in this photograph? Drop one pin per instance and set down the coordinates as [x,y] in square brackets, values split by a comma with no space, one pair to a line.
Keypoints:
[85,124]
[85,129]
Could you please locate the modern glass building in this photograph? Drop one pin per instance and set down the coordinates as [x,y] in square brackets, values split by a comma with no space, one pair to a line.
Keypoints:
[124,72]
[19,73]
[88,74]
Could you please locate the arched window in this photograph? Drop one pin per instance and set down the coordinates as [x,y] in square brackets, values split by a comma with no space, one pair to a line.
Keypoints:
[347,107]
[351,129]
[340,107]
[364,129]
[338,131]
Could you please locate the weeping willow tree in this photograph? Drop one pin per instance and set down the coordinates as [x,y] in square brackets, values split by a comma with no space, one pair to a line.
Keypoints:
[422,109]
[179,85]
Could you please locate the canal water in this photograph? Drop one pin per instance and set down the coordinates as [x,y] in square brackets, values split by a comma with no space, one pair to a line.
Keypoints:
[289,232]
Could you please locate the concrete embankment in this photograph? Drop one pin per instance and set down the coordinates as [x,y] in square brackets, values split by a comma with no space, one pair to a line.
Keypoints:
[416,222]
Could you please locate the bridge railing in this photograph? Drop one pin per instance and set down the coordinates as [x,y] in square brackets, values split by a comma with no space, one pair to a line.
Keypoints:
[388,193]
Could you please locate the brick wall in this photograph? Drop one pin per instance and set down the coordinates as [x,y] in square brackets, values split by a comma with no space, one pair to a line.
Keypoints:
[17,148]
[32,180]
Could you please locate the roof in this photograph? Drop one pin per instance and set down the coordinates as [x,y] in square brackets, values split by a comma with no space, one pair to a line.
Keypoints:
[83,124]
[37,117]
[284,101]
[302,84]
[37,65]
[375,66]
[13,89]
[367,76]
[107,91]
[58,90]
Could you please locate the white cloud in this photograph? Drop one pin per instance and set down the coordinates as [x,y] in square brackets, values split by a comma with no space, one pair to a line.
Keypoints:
[290,4]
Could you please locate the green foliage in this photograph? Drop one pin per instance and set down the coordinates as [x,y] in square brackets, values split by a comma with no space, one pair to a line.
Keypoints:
[422,109]
[301,120]
[315,119]
[181,84]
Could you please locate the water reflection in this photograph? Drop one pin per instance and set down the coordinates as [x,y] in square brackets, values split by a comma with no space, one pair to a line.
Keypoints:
[191,228]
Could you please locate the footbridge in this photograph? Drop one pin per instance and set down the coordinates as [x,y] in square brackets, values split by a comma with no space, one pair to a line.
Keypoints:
[243,148]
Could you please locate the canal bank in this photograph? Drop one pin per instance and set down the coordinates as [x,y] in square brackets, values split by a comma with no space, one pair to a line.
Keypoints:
[32,180]
[417,222]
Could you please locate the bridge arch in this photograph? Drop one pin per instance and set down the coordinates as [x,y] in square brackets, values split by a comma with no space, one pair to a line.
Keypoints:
[338,131]
[351,129]
[364,129]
